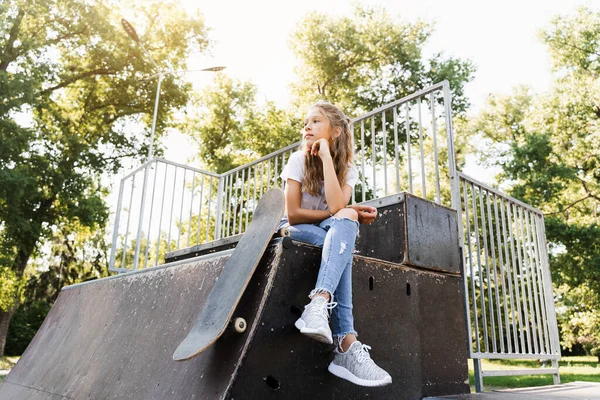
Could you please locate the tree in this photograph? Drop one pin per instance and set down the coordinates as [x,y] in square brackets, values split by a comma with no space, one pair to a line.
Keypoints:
[368,60]
[71,88]
[548,147]
[232,129]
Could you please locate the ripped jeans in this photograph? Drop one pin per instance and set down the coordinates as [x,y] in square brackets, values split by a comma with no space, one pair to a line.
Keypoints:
[337,237]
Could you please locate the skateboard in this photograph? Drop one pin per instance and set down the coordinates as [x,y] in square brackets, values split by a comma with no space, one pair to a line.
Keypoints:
[223,298]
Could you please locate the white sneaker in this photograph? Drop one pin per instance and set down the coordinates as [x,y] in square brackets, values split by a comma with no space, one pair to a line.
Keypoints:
[356,366]
[314,321]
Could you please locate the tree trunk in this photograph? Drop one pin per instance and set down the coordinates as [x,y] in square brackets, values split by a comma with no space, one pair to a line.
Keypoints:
[4,322]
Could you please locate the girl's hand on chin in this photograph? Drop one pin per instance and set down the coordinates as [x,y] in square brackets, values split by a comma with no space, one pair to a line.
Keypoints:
[320,148]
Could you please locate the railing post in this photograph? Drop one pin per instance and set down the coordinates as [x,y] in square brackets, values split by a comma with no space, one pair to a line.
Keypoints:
[219,208]
[454,183]
[138,238]
[478,375]
[113,250]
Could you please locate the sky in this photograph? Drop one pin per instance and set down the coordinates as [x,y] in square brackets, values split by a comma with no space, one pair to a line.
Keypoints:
[500,37]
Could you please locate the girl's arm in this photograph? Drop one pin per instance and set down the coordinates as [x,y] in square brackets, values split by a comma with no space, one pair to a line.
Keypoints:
[295,213]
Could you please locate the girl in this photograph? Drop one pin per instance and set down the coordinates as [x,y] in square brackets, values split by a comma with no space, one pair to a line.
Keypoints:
[320,180]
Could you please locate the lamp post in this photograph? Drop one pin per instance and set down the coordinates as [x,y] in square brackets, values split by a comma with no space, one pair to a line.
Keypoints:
[160,74]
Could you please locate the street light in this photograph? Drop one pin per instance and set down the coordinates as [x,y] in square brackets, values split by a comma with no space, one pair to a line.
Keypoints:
[160,74]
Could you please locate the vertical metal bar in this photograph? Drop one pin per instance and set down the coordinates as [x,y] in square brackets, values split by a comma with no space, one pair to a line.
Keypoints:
[282,167]
[230,205]
[527,275]
[539,268]
[362,157]
[423,177]
[499,237]
[555,344]
[191,208]
[171,213]
[409,164]
[113,250]
[128,219]
[495,275]
[515,278]
[275,171]
[254,195]
[534,280]
[208,209]
[225,209]
[241,200]
[236,202]
[262,177]
[385,179]
[461,229]
[247,200]
[454,188]
[269,174]
[218,207]
[508,235]
[473,297]
[435,150]
[162,207]
[374,156]
[181,208]
[203,178]
[396,155]
[138,239]
[478,372]
[353,197]
[150,219]
[527,267]
[521,268]
[556,376]
[487,269]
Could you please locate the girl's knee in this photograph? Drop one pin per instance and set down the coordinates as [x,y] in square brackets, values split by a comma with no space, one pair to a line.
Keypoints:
[349,213]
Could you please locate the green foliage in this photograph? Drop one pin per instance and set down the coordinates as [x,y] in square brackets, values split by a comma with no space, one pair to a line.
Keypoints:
[10,287]
[548,147]
[71,89]
[369,59]
[233,129]
[73,76]
[23,326]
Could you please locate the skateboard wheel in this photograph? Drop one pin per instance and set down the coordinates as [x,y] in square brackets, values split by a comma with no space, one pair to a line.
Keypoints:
[284,232]
[239,324]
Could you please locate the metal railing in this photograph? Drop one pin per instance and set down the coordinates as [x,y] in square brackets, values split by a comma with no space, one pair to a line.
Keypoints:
[163,206]
[508,290]
[407,145]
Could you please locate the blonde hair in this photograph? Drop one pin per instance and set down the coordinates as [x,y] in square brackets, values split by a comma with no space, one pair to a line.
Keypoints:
[341,151]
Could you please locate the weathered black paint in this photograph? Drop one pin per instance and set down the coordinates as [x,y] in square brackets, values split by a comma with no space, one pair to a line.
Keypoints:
[410,231]
[415,232]
[419,338]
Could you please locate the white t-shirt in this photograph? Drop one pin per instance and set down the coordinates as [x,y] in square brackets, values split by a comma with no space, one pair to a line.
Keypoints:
[294,169]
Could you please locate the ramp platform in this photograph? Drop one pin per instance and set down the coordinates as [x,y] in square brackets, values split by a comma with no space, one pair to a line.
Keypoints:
[113,338]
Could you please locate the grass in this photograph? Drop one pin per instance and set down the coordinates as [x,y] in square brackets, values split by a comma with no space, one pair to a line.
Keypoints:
[586,369]
[6,363]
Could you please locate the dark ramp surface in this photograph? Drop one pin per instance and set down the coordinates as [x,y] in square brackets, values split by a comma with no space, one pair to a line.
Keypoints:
[114,338]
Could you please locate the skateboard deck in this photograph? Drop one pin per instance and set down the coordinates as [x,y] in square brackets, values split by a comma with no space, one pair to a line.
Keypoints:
[223,298]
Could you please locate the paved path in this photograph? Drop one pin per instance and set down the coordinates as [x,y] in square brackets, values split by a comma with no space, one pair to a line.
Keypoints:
[565,391]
